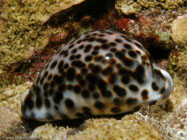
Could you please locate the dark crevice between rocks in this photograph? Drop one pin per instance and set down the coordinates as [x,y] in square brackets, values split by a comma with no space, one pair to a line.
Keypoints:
[158,50]
[158,53]
[88,8]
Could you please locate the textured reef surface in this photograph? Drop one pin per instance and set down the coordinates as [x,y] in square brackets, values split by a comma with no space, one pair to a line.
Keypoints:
[32,31]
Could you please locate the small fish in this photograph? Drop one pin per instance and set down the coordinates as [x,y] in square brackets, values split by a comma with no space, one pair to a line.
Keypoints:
[99,73]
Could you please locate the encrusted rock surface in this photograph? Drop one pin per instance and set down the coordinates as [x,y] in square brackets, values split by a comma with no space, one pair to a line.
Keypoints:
[134,7]
[179,30]
[21,27]
[163,121]
[158,122]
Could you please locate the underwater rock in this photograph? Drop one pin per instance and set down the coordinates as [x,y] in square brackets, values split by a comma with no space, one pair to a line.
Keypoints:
[134,7]
[179,30]
[22,30]
[128,128]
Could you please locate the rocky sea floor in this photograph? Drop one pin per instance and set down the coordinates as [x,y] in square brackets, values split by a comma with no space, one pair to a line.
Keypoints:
[32,31]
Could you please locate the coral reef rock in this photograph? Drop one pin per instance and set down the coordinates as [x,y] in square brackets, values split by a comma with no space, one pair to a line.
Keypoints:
[22,30]
[133,7]
[179,30]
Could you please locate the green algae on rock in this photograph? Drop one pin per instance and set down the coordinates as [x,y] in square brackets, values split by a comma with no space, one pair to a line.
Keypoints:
[133,7]
[22,29]
[178,65]
[178,58]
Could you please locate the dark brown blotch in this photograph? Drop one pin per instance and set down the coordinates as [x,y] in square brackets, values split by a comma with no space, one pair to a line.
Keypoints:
[28,101]
[99,105]
[77,89]
[127,46]
[96,68]
[78,63]
[154,86]
[53,64]
[118,40]
[115,110]
[106,93]
[58,97]
[91,39]
[46,86]
[95,95]
[112,78]
[138,45]
[139,74]
[65,53]
[62,87]
[87,48]
[86,110]
[78,56]
[38,101]
[133,88]
[71,73]
[60,66]
[49,116]
[81,47]
[38,79]
[56,107]
[52,84]
[69,103]
[50,77]
[70,87]
[41,81]
[79,115]
[45,74]
[57,79]
[91,86]
[94,52]
[47,103]
[66,65]
[104,46]
[144,94]
[113,50]
[71,46]
[131,101]
[100,40]
[132,54]
[101,84]
[112,44]
[36,90]
[91,78]
[107,70]
[99,58]
[117,101]
[88,58]
[74,51]
[121,92]
[85,94]
[163,89]
[51,91]
[63,116]
[125,79]
[72,57]
[81,81]
[127,61]
[96,48]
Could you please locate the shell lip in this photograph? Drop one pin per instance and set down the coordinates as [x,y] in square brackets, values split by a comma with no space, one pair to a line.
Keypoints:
[169,83]
[24,96]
